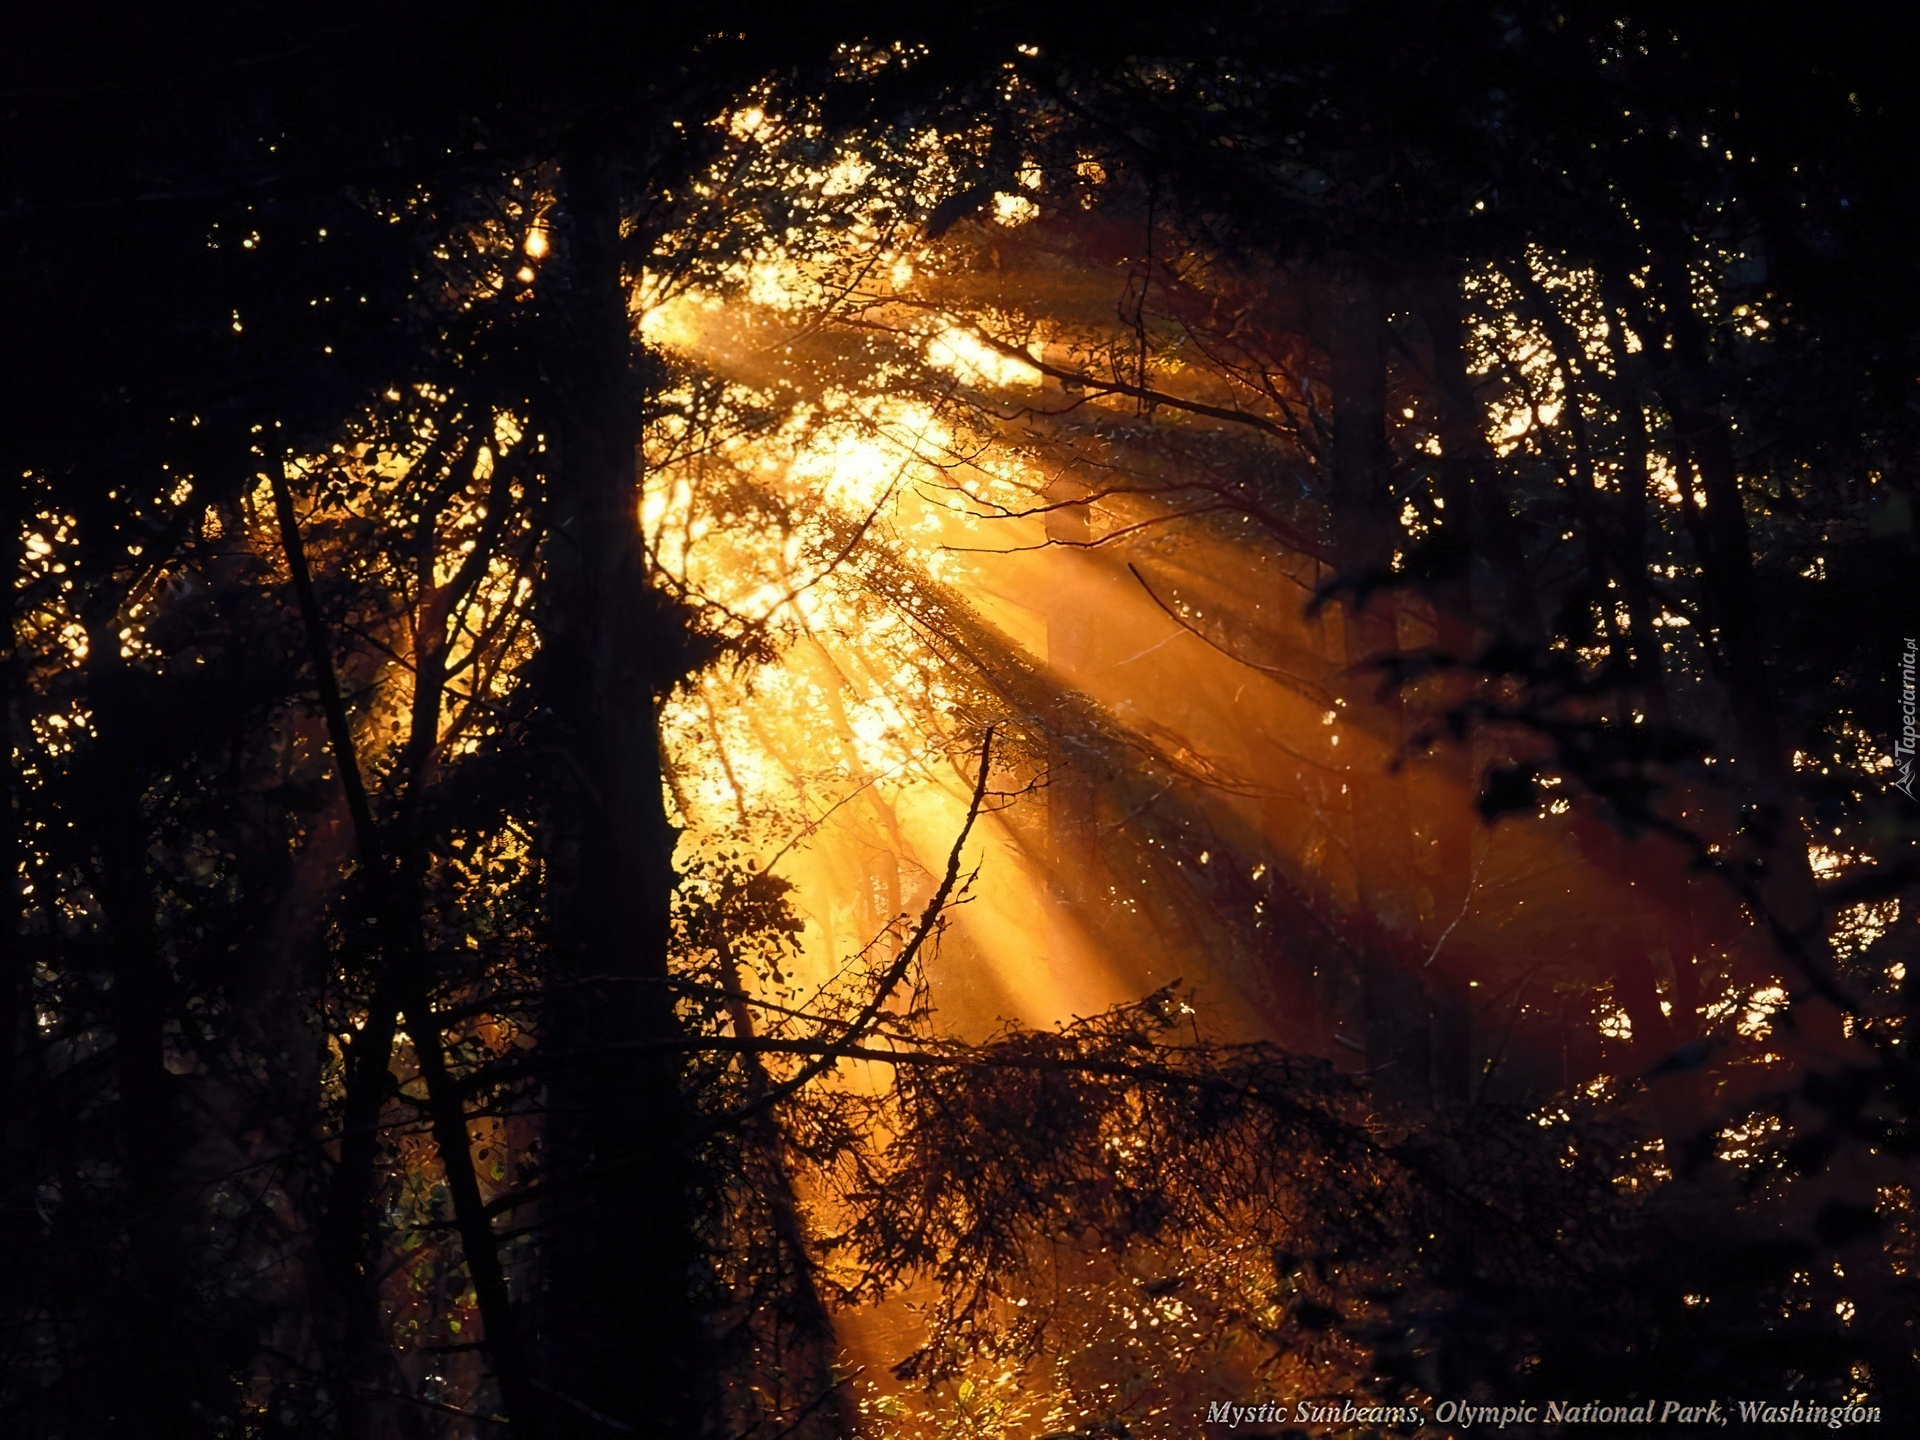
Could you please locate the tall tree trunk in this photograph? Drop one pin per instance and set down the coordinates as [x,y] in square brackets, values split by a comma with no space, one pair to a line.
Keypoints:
[1626,393]
[1787,886]
[620,1338]
[1476,503]
[445,1106]
[1398,1039]
[404,971]
[146,1374]
[1596,540]
[1470,468]
[1465,481]
[350,1240]
[828,1411]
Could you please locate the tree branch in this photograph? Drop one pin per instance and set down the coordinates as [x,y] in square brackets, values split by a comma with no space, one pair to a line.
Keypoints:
[929,918]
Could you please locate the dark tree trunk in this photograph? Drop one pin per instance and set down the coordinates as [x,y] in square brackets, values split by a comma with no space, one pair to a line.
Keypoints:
[404,971]
[1470,469]
[620,1338]
[1464,479]
[1626,394]
[1597,542]
[1398,1039]
[1778,833]
[825,1407]
[143,1368]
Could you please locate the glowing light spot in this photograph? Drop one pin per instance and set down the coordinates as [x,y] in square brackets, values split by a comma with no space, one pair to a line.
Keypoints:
[1012,210]
[967,357]
[1765,1003]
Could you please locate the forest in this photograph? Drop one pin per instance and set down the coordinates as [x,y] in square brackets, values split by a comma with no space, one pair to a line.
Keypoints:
[994,722]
